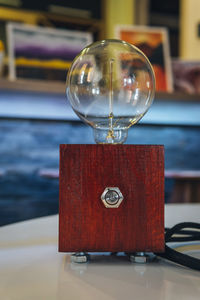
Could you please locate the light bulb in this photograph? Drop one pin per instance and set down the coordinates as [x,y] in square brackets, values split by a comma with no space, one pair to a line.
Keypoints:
[110,86]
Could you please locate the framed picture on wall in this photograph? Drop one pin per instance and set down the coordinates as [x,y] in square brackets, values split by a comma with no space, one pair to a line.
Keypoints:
[42,53]
[186,76]
[153,41]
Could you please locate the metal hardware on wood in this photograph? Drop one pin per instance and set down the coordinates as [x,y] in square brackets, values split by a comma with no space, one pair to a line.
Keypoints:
[112,197]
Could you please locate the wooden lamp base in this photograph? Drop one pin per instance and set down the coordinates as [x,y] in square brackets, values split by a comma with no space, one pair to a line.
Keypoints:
[86,224]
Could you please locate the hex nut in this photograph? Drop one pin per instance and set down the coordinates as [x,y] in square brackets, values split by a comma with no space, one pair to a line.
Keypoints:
[79,257]
[140,258]
[112,197]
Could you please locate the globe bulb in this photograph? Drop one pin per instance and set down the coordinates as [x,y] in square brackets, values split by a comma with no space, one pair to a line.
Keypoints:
[110,86]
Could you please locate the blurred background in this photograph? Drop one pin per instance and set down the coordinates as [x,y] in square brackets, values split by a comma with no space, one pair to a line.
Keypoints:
[35,116]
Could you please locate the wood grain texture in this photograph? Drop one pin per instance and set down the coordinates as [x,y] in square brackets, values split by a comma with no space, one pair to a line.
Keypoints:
[85,224]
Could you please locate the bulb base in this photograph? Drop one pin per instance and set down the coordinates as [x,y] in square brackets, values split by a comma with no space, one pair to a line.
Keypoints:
[107,136]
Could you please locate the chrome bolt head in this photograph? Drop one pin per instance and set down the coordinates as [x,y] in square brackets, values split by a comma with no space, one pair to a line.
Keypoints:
[112,197]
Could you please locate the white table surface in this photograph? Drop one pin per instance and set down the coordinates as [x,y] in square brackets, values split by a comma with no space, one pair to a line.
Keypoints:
[32,268]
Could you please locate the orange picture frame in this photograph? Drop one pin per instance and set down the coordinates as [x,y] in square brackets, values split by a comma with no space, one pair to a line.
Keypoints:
[153,42]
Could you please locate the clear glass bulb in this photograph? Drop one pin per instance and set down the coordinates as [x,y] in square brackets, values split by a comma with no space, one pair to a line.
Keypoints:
[110,86]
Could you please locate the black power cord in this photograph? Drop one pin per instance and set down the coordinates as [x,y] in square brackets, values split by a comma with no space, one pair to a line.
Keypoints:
[179,234]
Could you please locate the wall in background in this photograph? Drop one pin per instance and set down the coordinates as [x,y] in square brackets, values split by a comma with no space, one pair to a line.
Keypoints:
[117,13]
[27,147]
[190,33]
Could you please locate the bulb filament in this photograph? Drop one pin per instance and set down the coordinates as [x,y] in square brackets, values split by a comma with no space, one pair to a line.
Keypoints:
[110,136]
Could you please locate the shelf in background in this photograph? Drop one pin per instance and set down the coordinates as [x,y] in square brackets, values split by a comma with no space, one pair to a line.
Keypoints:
[38,100]
[42,86]
[39,86]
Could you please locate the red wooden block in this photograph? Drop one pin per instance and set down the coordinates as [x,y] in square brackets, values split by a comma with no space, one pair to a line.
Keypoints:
[85,224]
